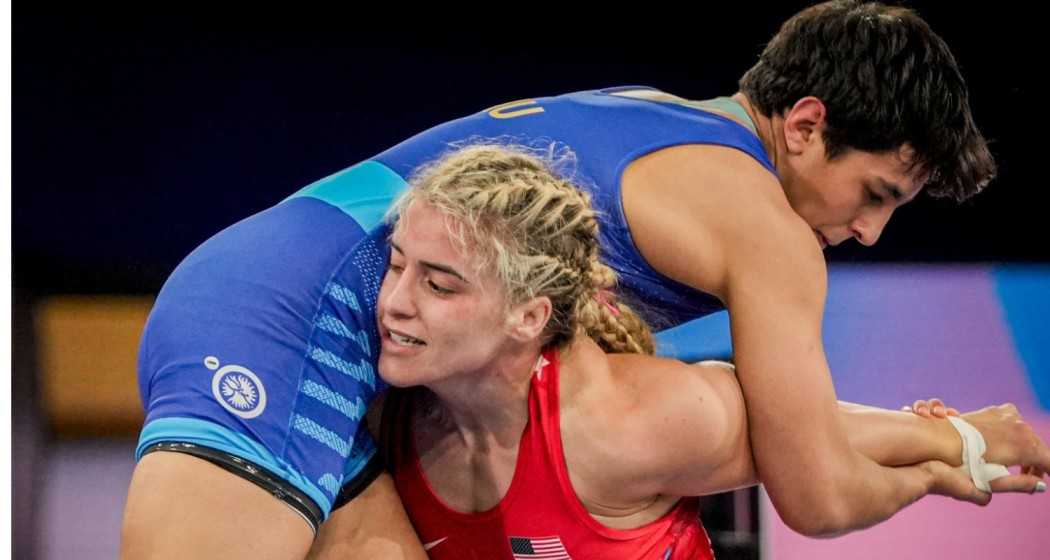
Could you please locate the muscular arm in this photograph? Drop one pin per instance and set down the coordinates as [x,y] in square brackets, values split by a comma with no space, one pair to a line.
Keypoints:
[692,429]
[747,246]
[692,437]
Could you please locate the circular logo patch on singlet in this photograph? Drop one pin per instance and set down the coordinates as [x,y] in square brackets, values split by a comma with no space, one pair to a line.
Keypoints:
[237,389]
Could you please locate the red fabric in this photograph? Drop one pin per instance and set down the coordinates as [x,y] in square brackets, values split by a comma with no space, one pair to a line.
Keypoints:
[540,510]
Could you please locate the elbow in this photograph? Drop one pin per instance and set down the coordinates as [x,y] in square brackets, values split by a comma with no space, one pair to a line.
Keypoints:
[816,506]
[825,520]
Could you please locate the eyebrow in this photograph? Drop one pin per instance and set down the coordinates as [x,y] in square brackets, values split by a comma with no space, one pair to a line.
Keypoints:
[894,189]
[433,265]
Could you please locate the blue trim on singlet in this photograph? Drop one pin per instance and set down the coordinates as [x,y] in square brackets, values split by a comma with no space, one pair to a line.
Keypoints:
[213,436]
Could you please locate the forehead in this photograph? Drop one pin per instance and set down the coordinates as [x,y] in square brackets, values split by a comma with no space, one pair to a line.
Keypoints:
[424,229]
[425,233]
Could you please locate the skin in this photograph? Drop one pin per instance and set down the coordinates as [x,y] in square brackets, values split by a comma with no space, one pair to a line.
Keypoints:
[689,432]
[714,219]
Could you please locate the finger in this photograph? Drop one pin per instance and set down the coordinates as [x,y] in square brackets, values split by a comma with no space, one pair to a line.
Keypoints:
[976,497]
[959,486]
[921,408]
[953,411]
[1025,483]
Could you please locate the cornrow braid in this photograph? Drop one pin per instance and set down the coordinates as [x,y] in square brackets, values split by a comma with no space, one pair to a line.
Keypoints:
[538,233]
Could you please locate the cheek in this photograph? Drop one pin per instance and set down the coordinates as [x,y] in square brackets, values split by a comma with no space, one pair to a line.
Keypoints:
[452,321]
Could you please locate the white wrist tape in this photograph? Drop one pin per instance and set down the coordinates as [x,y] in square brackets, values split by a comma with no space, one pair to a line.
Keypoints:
[973,456]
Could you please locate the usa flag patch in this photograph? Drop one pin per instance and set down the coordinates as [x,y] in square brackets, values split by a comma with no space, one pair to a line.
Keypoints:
[531,548]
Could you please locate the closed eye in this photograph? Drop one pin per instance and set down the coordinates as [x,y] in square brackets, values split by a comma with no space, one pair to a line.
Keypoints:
[438,289]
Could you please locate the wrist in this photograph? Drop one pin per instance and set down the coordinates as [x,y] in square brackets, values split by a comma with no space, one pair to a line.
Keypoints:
[949,442]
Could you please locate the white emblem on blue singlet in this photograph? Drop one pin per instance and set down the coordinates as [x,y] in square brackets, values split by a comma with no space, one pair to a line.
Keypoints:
[237,389]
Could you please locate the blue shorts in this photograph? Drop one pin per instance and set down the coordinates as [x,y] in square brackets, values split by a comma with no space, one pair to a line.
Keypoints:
[263,342]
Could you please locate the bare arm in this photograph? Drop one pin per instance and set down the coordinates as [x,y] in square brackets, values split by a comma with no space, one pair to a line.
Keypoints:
[748,247]
[374,524]
[691,429]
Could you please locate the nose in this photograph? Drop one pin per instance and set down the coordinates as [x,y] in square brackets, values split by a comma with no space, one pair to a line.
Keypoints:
[867,227]
[396,295]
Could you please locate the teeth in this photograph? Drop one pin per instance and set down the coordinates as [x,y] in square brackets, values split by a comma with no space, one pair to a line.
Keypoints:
[402,339]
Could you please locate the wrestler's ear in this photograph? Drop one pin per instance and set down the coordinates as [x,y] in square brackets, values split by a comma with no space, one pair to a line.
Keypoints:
[804,124]
[528,319]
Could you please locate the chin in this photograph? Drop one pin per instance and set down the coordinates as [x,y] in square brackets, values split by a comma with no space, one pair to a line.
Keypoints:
[395,375]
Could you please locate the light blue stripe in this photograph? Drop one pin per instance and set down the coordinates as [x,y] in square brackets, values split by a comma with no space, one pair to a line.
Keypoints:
[333,325]
[330,483]
[360,372]
[323,435]
[214,436]
[352,410]
[343,295]
[362,340]
[364,192]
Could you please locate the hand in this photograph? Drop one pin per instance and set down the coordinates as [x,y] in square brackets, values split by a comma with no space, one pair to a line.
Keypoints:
[1011,441]
[952,482]
[931,408]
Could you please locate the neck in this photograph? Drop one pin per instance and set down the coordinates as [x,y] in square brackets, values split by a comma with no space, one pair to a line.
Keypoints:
[489,406]
[770,130]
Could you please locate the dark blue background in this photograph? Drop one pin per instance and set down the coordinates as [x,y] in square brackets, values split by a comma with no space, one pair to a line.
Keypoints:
[136,137]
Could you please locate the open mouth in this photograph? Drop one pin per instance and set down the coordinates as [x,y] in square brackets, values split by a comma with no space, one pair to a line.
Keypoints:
[405,340]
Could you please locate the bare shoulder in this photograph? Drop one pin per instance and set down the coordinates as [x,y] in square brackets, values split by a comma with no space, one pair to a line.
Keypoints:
[631,423]
[692,208]
[597,408]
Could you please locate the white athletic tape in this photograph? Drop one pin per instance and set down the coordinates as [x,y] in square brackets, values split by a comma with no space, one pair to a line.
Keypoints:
[973,456]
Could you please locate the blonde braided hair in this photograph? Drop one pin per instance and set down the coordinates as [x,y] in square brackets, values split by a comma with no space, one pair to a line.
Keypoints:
[540,235]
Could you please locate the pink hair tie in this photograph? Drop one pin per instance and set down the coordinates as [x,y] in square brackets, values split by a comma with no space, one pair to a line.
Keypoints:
[603,297]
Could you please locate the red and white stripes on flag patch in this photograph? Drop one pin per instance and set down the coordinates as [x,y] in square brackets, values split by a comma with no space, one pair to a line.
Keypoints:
[533,548]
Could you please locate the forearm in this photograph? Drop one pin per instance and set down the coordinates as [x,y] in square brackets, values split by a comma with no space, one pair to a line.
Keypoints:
[874,495]
[824,487]
[819,483]
[893,438]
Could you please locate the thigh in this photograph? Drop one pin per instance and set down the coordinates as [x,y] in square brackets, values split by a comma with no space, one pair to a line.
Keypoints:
[181,506]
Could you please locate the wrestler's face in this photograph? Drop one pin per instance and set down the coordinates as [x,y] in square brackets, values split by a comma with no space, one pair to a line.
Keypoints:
[438,315]
[851,196]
